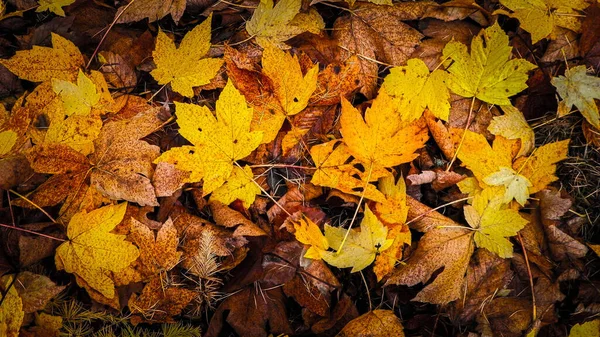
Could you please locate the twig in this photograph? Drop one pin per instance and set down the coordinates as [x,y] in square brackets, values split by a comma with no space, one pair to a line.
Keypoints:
[32,232]
[534,310]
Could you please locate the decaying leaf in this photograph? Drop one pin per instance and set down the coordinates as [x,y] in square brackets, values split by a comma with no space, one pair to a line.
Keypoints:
[512,125]
[35,291]
[158,303]
[542,17]
[11,310]
[85,253]
[374,323]
[185,67]
[580,89]
[273,25]
[154,10]
[39,64]
[157,254]
[54,6]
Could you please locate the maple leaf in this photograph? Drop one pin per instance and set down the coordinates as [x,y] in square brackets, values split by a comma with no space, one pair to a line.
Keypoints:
[392,213]
[495,165]
[158,303]
[450,248]
[580,89]
[218,141]
[157,254]
[77,98]
[380,139]
[541,17]
[54,6]
[273,25]
[11,310]
[385,322]
[62,61]
[291,92]
[487,73]
[77,132]
[366,33]
[493,225]
[361,247]
[185,67]
[239,186]
[336,168]
[154,10]
[13,128]
[414,89]
[35,291]
[308,233]
[512,125]
[92,251]
[591,328]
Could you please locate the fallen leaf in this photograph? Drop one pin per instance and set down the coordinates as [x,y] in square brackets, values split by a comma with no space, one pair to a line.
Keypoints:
[239,186]
[587,329]
[578,88]
[493,226]
[487,73]
[414,89]
[447,248]
[512,125]
[54,6]
[308,233]
[13,129]
[366,33]
[185,67]
[361,247]
[380,140]
[376,323]
[85,253]
[11,310]
[77,98]
[218,141]
[62,61]
[35,291]
[273,25]
[157,254]
[158,302]
[251,314]
[154,10]
[516,186]
[541,17]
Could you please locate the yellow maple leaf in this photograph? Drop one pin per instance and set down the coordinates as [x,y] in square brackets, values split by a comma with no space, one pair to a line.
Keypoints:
[39,64]
[587,329]
[218,141]
[335,168]
[493,226]
[240,185]
[308,233]
[361,246]
[393,213]
[77,132]
[11,310]
[13,128]
[414,89]
[77,98]
[185,67]
[512,125]
[380,139]
[487,73]
[291,92]
[580,89]
[496,166]
[541,17]
[54,6]
[92,251]
[273,25]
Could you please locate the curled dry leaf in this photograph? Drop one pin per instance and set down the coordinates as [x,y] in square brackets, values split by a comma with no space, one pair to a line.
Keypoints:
[376,323]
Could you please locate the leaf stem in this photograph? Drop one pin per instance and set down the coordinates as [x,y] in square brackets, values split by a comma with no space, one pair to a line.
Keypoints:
[32,232]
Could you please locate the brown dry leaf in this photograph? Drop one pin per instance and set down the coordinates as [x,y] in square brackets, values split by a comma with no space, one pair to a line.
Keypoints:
[307,295]
[33,248]
[376,323]
[159,302]
[505,316]
[337,80]
[591,134]
[252,314]
[157,254]
[167,179]
[552,204]
[118,72]
[563,246]
[227,217]
[152,9]
[35,291]
[487,274]
[366,33]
